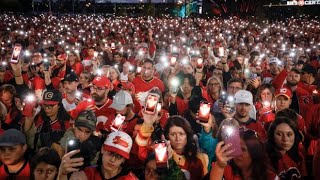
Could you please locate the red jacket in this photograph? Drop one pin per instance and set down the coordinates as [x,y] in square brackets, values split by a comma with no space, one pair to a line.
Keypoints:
[304,97]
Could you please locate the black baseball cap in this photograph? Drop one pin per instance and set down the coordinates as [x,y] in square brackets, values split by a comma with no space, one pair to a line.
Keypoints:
[70,77]
[51,97]
[12,137]
[309,69]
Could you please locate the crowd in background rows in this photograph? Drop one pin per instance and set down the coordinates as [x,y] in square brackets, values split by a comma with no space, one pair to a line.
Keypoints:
[77,75]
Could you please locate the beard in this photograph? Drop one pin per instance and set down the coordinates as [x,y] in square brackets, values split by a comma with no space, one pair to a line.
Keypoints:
[97,98]
[292,83]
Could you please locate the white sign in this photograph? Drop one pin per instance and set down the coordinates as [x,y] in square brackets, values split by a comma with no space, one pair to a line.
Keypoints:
[302,3]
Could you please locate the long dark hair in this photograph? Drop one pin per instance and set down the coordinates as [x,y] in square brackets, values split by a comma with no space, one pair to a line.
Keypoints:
[258,155]
[190,150]
[62,117]
[271,147]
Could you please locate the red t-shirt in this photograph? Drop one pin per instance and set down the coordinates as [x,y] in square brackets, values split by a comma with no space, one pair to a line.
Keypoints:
[22,174]
[228,174]
[288,169]
[77,68]
[143,86]
[92,173]
[257,127]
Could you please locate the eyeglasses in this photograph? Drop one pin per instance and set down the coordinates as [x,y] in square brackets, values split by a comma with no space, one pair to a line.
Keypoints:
[97,88]
[213,84]
[45,106]
[112,154]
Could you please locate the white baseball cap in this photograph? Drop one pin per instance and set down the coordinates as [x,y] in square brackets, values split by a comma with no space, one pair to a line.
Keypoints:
[120,100]
[118,142]
[243,96]
[274,60]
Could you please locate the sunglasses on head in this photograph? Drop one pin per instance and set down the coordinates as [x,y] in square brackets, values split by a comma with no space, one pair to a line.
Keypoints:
[248,133]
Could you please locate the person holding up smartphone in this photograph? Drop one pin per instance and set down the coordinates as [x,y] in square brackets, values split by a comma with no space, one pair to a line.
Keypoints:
[114,152]
[248,164]
[243,105]
[85,125]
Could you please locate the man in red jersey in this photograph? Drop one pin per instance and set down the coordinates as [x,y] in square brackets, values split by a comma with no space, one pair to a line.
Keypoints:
[100,102]
[147,81]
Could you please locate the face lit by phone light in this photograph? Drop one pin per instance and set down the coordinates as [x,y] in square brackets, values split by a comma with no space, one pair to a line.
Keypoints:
[82,133]
[187,69]
[243,109]
[178,138]
[147,71]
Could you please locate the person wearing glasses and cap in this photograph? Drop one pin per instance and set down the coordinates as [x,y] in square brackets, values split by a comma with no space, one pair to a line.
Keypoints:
[114,153]
[47,127]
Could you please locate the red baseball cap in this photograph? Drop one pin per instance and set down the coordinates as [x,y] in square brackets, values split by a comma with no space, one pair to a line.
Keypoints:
[62,57]
[101,81]
[284,92]
[126,85]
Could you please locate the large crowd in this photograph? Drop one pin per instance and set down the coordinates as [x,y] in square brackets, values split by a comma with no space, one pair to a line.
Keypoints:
[94,97]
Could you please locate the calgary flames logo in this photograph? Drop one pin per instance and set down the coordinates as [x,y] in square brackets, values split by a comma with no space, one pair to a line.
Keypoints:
[120,141]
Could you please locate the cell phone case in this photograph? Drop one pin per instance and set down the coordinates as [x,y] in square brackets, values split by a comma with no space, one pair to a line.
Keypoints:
[233,139]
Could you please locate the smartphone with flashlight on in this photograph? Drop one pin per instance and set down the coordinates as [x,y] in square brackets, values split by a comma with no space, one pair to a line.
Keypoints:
[113,46]
[46,64]
[138,70]
[78,95]
[204,111]
[16,54]
[117,123]
[199,63]
[221,51]
[73,144]
[161,153]
[173,61]
[151,103]
[29,103]
[231,135]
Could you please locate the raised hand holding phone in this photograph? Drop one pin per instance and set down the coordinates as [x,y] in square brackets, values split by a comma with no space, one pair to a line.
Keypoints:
[16,54]
[69,164]
[230,134]
[207,126]
[161,153]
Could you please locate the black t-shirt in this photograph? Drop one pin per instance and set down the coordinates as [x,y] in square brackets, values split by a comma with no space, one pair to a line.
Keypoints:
[294,104]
